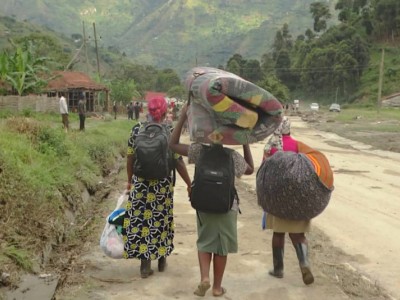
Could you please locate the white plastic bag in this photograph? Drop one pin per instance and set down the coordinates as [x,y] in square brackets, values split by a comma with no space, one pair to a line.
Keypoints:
[111,241]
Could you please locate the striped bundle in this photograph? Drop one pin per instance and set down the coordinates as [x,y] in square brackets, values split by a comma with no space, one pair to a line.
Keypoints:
[227,109]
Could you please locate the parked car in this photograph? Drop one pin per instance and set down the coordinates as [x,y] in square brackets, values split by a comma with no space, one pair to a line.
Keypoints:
[334,107]
[314,106]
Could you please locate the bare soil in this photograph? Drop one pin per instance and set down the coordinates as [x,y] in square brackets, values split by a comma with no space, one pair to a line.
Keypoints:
[354,250]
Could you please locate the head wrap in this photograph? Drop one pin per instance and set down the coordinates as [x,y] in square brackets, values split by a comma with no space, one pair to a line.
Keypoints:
[275,140]
[157,108]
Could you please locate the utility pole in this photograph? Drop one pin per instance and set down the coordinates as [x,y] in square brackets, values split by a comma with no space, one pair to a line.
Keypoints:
[337,89]
[84,43]
[74,58]
[380,81]
[97,50]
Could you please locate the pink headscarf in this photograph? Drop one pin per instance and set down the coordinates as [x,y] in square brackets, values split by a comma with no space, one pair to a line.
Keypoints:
[157,108]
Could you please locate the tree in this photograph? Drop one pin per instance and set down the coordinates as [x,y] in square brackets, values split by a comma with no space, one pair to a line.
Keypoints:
[166,79]
[267,64]
[282,67]
[387,17]
[320,13]
[252,70]
[123,90]
[272,84]
[177,91]
[23,70]
[233,67]
[47,46]
[235,64]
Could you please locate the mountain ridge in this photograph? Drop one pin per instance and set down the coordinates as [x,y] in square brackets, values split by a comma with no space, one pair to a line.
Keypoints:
[172,33]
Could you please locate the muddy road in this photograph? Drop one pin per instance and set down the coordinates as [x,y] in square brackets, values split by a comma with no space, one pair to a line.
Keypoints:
[354,243]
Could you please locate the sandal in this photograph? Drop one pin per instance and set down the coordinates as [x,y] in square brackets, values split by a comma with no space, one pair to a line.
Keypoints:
[202,288]
[223,292]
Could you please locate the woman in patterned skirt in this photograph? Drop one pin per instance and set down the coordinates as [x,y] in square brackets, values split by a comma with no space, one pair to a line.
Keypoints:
[149,222]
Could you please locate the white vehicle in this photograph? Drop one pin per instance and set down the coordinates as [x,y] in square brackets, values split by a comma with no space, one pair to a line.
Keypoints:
[334,107]
[314,106]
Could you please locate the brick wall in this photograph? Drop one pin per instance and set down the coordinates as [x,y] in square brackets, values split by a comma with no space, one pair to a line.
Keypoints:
[37,103]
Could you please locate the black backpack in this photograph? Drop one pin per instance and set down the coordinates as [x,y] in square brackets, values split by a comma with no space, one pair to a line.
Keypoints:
[153,158]
[213,187]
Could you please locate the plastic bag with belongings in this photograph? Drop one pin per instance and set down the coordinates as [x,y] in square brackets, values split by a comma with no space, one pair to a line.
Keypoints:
[111,241]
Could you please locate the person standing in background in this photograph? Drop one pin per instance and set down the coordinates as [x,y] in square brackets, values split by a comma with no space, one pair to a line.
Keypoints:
[130,111]
[82,112]
[64,111]
[137,111]
[115,109]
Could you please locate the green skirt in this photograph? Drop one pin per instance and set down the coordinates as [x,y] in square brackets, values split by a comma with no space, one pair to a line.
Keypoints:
[217,233]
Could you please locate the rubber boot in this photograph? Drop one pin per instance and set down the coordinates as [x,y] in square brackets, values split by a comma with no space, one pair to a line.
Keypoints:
[277,254]
[302,255]
[162,263]
[145,268]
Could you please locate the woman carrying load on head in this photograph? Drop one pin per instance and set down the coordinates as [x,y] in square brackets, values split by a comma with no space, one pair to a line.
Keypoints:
[149,223]
[217,232]
[282,141]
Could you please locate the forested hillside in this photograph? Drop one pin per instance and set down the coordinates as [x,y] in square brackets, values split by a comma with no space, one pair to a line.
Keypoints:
[169,34]
[327,50]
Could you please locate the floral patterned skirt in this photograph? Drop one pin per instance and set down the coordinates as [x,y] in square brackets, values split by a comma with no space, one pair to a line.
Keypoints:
[149,222]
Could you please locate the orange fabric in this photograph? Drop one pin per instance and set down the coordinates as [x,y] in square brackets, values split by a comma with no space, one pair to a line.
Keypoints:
[320,163]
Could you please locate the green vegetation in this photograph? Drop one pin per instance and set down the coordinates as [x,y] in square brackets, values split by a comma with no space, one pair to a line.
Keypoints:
[22,69]
[43,173]
[336,63]
[151,32]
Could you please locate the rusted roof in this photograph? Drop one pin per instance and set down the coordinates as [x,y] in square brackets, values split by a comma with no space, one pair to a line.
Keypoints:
[149,95]
[73,80]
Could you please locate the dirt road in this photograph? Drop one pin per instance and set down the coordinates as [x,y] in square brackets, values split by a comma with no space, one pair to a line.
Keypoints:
[354,244]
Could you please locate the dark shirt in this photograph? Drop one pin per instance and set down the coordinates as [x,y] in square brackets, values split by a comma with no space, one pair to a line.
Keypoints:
[81,107]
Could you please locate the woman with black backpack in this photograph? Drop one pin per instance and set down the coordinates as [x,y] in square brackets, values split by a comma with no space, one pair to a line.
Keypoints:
[149,222]
[216,229]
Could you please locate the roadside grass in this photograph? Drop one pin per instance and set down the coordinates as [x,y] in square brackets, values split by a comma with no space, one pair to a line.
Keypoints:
[19,256]
[388,117]
[380,129]
[43,172]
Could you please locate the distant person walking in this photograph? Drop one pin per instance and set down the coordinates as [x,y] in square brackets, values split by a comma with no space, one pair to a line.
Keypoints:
[137,111]
[115,109]
[64,112]
[82,112]
[129,108]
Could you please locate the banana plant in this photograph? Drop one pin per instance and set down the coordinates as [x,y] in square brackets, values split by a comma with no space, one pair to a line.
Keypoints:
[23,69]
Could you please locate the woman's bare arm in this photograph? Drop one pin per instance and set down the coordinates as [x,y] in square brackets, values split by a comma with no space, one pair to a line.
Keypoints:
[249,160]
[174,144]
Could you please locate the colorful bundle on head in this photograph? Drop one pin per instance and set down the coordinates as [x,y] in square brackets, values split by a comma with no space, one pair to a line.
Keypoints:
[227,109]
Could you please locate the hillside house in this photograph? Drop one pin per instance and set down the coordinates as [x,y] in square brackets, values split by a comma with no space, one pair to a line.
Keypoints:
[73,84]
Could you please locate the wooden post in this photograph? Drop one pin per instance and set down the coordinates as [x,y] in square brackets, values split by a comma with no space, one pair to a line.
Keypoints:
[84,43]
[380,81]
[97,51]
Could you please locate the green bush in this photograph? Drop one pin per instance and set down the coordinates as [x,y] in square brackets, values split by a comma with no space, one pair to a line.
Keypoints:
[51,141]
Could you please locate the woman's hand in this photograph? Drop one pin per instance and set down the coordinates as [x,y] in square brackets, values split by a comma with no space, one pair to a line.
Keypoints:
[189,190]
[184,108]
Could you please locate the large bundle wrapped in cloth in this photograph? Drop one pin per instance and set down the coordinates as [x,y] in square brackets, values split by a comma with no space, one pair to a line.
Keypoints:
[226,109]
[295,186]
